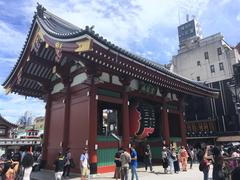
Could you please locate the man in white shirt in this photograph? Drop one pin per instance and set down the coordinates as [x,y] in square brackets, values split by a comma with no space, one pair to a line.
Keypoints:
[125,159]
[84,166]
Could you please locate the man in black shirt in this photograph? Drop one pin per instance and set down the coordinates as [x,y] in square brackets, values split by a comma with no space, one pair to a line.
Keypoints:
[118,164]
[59,165]
[148,158]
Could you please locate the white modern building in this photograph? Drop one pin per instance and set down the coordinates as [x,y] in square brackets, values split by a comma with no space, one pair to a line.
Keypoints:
[209,60]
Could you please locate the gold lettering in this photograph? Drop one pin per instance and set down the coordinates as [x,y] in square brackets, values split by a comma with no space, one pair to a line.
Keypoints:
[58,45]
[84,45]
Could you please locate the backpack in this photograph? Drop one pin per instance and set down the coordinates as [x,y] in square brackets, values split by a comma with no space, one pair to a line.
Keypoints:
[203,165]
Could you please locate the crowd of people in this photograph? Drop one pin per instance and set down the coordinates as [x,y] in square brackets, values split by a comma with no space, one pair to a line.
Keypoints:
[225,162]
[124,161]
[171,160]
[174,160]
[64,162]
[16,165]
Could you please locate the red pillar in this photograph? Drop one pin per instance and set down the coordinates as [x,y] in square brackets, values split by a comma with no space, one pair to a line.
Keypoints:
[66,117]
[92,130]
[125,135]
[165,126]
[46,128]
[183,129]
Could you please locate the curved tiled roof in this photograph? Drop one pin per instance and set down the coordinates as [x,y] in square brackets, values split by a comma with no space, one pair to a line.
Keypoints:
[6,122]
[62,30]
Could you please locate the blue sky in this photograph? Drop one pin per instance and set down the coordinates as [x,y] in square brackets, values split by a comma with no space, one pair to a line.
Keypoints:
[145,27]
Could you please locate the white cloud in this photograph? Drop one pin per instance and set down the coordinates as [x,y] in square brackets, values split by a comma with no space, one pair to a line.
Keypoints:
[238,17]
[11,40]
[224,2]
[13,106]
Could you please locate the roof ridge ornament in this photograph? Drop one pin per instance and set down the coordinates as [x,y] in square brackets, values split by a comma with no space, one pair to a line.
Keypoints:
[40,10]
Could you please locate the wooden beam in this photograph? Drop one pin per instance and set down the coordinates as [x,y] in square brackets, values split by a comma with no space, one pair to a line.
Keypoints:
[28,89]
[46,83]
[28,94]
[41,61]
[35,78]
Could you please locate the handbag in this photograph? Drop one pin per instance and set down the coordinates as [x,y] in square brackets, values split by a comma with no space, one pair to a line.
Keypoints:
[72,163]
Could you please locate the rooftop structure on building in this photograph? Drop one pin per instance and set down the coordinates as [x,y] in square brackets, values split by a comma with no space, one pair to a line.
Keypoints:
[189,31]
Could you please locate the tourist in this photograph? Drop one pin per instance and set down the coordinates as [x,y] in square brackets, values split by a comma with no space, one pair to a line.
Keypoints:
[84,164]
[165,159]
[148,158]
[235,174]
[11,173]
[222,150]
[200,154]
[2,161]
[175,161]
[217,164]
[190,156]
[24,152]
[194,155]
[17,156]
[117,161]
[134,162]
[27,163]
[125,159]
[39,161]
[67,160]
[183,158]
[205,162]
[59,166]
[170,160]
[233,153]
[6,164]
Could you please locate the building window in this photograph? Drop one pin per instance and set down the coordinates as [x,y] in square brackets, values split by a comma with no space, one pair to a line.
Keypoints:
[212,68]
[219,51]
[198,63]
[2,131]
[198,78]
[221,67]
[206,55]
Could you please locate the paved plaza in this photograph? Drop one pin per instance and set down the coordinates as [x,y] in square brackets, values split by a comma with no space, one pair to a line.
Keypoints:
[191,174]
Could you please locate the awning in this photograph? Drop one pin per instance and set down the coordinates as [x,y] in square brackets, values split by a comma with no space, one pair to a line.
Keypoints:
[228,139]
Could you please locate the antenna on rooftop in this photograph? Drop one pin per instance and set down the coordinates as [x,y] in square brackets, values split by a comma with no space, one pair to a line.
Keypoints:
[178,17]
